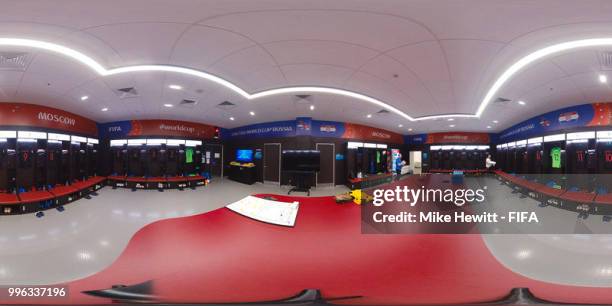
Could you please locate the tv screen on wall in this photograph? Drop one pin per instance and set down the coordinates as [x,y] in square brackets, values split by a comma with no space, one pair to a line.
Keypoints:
[244,155]
[301,160]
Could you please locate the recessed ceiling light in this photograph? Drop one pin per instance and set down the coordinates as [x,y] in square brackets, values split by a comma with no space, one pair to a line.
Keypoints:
[175,87]
[495,121]
[84,255]
[252,113]
[168,105]
[369,116]
[452,125]
[232,118]
[523,254]
[104,109]
[451,119]
[521,102]
[400,125]
[488,126]
[312,107]
[410,130]
[603,78]
[83,98]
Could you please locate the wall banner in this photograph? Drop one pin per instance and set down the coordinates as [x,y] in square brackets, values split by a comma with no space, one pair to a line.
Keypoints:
[585,115]
[303,126]
[458,137]
[37,116]
[331,129]
[315,128]
[173,128]
[417,139]
[269,129]
[362,132]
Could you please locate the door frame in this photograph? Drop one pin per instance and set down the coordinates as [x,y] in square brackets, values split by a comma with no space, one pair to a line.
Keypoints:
[333,183]
[279,163]
[220,145]
[222,160]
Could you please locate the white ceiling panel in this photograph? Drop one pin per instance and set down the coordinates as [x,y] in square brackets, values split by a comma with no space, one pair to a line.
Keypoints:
[467,62]
[316,74]
[320,24]
[140,43]
[554,87]
[589,79]
[237,66]
[534,76]
[10,26]
[378,88]
[426,59]
[10,78]
[392,71]
[422,57]
[7,93]
[320,52]
[443,94]
[580,61]
[201,46]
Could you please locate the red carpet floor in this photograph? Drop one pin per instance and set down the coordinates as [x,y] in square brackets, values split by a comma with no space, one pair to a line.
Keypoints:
[221,256]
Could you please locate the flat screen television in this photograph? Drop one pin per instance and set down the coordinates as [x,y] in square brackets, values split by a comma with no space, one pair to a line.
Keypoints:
[301,160]
[243,155]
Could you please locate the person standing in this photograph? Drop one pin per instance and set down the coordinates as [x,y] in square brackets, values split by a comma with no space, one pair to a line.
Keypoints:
[489,163]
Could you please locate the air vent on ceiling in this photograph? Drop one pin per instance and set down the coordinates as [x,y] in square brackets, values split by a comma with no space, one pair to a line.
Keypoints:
[303,99]
[188,103]
[605,60]
[382,112]
[14,60]
[501,100]
[127,92]
[226,105]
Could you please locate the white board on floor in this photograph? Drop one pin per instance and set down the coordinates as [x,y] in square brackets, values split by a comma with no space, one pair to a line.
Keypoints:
[268,211]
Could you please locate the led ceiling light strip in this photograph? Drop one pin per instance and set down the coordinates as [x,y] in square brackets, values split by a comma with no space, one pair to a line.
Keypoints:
[445,116]
[532,57]
[509,73]
[88,61]
[329,90]
[183,70]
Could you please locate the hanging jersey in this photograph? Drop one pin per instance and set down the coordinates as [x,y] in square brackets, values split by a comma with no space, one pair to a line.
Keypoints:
[555,154]
[189,155]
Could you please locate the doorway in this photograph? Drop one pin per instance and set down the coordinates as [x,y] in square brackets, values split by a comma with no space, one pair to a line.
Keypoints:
[415,162]
[272,163]
[326,177]
[212,158]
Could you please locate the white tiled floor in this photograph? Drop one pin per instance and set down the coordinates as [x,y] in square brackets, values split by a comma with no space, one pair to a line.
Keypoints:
[570,259]
[90,234]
